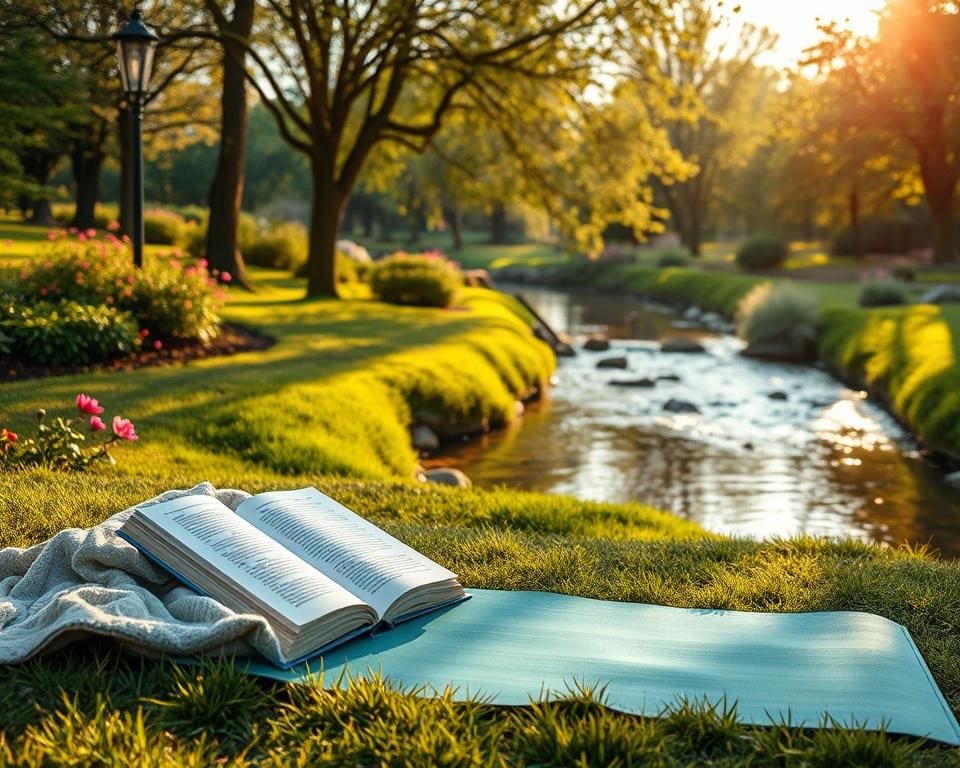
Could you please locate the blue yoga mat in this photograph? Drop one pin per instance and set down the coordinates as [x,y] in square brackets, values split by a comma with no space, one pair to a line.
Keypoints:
[858,668]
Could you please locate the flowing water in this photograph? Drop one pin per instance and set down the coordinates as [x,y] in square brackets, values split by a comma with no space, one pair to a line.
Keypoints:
[824,461]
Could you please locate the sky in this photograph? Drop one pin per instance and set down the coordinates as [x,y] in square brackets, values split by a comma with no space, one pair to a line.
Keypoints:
[796,21]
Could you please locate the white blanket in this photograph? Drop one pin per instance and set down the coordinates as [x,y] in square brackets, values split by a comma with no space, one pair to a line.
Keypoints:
[82,583]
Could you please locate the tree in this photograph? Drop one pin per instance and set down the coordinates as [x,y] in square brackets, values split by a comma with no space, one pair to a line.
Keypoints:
[226,191]
[38,107]
[343,76]
[906,82]
[714,96]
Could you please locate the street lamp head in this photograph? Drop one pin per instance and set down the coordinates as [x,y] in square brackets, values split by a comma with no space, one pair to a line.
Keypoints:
[135,47]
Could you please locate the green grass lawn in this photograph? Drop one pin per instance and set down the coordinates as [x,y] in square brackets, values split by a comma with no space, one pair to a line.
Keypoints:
[329,404]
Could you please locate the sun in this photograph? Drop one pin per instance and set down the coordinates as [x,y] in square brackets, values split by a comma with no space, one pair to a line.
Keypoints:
[796,23]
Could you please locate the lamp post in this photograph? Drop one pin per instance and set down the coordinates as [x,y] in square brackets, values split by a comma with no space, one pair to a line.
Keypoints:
[135,48]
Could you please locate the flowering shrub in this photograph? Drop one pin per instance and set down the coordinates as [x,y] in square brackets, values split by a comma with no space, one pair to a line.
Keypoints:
[67,333]
[71,444]
[166,299]
[425,280]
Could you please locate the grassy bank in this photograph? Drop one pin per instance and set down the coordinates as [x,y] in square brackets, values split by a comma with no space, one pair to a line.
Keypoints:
[335,394]
[908,355]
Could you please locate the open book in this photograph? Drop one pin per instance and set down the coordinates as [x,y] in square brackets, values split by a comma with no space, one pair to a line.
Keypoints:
[317,572]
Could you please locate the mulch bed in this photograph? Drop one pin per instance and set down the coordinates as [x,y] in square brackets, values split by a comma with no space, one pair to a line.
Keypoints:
[232,339]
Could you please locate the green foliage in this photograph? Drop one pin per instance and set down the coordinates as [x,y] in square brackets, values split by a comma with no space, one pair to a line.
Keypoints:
[763,251]
[166,299]
[424,280]
[163,227]
[675,257]
[68,333]
[780,316]
[283,246]
[884,293]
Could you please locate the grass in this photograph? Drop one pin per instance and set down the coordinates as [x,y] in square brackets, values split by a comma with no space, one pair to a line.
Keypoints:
[910,355]
[90,698]
[329,405]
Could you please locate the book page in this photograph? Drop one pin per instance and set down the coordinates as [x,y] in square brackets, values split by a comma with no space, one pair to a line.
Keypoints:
[211,531]
[364,559]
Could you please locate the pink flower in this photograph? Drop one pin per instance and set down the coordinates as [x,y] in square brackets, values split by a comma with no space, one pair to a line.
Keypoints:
[96,424]
[87,404]
[124,429]
[158,344]
[73,230]
[113,226]
[144,332]
[44,291]
[226,277]
[51,235]
[91,232]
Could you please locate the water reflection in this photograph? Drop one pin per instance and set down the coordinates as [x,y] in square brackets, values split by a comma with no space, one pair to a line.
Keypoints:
[820,459]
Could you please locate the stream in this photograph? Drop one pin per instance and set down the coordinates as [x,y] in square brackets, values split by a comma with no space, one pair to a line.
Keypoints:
[823,461]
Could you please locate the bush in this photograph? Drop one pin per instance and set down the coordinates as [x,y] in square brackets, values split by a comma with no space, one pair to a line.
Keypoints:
[167,300]
[283,246]
[762,252]
[163,227]
[68,333]
[675,257]
[779,321]
[883,293]
[879,235]
[424,280]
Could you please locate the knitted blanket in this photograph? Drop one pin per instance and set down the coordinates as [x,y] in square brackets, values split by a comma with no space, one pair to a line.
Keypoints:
[83,583]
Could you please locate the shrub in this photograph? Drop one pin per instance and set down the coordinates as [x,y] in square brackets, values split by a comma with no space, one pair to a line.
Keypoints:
[675,257]
[883,293]
[68,333]
[762,252]
[283,246]
[425,280]
[779,321]
[163,227]
[167,300]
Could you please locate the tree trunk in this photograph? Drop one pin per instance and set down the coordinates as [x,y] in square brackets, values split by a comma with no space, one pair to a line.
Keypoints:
[454,218]
[86,162]
[42,213]
[941,222]
[226,191]
[366,218]
[498,224]
[326,216]
[855,229]
[125,128]
[694,237]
